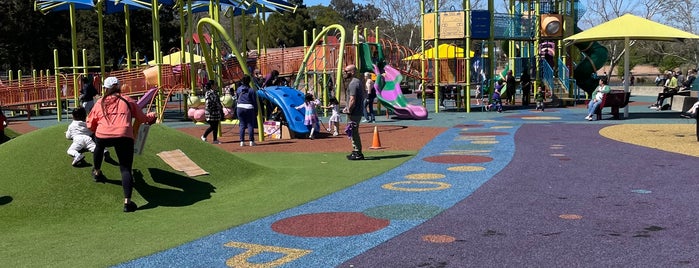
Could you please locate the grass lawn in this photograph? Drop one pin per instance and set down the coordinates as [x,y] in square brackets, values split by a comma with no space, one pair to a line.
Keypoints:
[54,215]
[7,135]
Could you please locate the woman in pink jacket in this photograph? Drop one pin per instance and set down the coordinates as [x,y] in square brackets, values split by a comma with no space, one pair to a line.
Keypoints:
[111,121]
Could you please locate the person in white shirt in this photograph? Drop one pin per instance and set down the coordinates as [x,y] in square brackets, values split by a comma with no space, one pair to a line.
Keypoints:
[81,136]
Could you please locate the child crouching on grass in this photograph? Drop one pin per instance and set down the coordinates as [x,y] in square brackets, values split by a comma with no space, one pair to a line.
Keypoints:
[81,136]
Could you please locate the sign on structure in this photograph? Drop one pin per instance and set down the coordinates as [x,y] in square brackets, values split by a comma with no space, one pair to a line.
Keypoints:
[451,25]
[428,24]
[480,24]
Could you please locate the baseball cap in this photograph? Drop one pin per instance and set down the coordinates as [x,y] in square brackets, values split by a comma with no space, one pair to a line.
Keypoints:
[110,82]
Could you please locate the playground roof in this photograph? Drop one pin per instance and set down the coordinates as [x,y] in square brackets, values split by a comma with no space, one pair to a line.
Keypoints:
[633,27]
[203,6]
[444,51]
[111,6]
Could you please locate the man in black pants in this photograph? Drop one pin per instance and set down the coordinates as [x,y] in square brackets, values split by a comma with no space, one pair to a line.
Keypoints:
[683,90]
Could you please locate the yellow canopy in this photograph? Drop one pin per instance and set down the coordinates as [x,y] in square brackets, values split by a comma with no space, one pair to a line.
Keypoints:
[633,28]
[176,58]
[629,27]
[444,51]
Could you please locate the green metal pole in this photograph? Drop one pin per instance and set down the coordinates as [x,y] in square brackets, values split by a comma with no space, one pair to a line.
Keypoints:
[192,72]
[491,49]
[127,25]
[100,26]
[467,89]
[437,98]
[157,56]
[58,85]
[378,103]
[423,72]
[74,45]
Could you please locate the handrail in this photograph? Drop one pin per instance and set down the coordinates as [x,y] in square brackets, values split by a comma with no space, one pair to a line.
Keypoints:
[547,74]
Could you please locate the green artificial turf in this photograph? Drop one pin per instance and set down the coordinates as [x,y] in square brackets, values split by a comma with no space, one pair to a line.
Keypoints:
[53,214]
[7,135]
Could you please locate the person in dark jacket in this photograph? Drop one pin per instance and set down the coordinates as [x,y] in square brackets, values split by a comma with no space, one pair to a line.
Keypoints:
[87,94]
[214,111]
[246,109]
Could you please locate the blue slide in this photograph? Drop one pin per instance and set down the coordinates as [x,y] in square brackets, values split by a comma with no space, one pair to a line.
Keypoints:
[287,99]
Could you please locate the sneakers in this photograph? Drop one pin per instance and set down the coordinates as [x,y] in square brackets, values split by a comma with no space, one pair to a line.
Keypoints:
[364,120]
[588,118]
[130,207]
[242,143]
[216,142]
[97,176]
[77,159]
[203,138]
[355,156]
[252,143]
[687,115]
[335,133]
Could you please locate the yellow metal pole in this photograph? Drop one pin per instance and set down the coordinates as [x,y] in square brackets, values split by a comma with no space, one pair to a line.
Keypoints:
[57,80]
[192,72]
[467,88]
[437,81]
[100,26]
[491,49]
[157,56]
[127,25]
[74,45]
[423,72]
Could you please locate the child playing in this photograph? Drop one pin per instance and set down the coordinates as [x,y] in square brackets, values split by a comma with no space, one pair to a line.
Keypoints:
[496,104]
[310,117]
[81,136]
[334,121]
[540,97]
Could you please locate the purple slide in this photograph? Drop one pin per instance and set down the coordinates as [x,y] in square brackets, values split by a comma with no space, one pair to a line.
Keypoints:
[145,100]
[390,95]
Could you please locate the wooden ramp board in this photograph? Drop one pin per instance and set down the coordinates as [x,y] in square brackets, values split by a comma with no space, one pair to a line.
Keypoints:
[180,162]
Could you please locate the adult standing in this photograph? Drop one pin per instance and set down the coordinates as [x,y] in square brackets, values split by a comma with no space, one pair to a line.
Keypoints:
[111,121]
[511,88]
[273,79]
[354,96]
[87,94]
[246,109]
[368,105]
[258,78]
[213,110]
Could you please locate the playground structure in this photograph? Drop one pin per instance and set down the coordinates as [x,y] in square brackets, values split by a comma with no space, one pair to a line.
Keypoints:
[531,40]
[313,67]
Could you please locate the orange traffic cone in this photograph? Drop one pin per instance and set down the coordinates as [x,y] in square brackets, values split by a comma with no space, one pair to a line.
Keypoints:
[376,144]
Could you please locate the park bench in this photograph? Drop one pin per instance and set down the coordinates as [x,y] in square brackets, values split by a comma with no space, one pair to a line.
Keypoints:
[615,99]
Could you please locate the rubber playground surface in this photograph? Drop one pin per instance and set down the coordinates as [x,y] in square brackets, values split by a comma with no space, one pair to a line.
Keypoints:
[516,189]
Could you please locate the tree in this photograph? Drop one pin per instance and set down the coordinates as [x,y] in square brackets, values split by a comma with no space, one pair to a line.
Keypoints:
[27,38]
[324,16]
[286,30]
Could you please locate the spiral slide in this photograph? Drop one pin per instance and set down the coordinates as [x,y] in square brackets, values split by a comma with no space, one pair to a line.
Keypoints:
[585,71]
[390,95]
[287,99]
